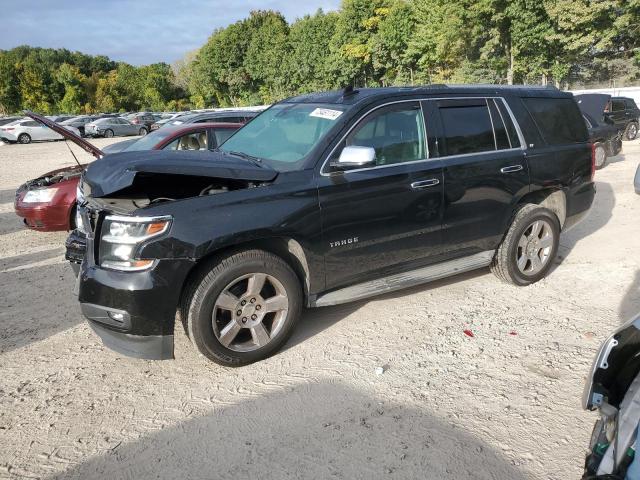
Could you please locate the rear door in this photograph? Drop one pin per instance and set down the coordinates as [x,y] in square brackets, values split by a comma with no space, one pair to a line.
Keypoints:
[384,218]
[485,171]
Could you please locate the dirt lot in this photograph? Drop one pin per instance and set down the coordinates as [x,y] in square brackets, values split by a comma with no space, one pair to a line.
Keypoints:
[504,404]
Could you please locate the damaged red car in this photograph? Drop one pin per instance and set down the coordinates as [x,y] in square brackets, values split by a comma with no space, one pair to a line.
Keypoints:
[48,202]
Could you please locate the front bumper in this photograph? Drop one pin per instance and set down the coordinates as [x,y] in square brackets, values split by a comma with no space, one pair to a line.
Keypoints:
[45,217]
[132,312]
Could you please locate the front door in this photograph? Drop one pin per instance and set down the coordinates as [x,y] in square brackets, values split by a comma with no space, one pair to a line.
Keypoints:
[385,218]
[484,169]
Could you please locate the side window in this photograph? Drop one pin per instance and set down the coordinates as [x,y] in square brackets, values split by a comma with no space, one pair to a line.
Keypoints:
[190,141]
[558,119]
[222,134]
[508,122]
[617,105]
[502,139]
[396,133]
[466,126]
[30,123]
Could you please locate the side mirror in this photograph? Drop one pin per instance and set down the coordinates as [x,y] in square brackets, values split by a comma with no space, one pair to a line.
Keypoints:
[355,157]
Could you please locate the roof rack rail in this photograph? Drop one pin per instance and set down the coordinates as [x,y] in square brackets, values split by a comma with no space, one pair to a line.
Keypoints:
[348,91]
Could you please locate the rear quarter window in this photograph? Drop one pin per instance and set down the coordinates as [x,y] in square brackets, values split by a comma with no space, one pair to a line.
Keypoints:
[558,119]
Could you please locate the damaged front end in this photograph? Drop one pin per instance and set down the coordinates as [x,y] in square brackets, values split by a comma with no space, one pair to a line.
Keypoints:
[613,388]
[128,250]
[46,203]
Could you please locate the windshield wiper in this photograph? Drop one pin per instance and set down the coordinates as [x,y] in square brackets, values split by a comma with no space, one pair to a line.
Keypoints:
[255,160]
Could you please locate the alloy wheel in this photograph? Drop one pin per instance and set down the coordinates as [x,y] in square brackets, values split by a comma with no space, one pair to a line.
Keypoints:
[633,131]
[534,248]
[249,312]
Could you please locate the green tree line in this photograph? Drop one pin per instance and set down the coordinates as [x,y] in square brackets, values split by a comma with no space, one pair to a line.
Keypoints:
[263,58]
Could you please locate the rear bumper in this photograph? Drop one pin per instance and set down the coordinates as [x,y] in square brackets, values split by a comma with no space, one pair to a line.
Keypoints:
[45,217]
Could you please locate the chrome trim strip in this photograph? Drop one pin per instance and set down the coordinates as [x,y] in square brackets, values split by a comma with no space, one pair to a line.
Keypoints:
[493,126]
[403,280]
[420,100]
[504,124]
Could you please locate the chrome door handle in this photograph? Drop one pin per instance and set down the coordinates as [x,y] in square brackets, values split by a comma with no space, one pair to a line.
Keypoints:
[425,184]
[511,169]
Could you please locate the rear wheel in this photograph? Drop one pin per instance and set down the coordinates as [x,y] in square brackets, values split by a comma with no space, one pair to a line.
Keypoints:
[600,155]
[631,132]
[108,133]
[142,132]
[24,138]
[243,308]
[529,247]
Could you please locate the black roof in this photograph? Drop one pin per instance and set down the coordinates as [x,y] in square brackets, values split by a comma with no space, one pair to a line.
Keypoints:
[348,97]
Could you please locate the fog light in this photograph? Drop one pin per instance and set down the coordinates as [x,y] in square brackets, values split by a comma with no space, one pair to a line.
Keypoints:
[118,317]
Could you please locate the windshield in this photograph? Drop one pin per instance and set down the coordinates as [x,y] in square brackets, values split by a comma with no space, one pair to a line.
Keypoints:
[148,141]
[285,134]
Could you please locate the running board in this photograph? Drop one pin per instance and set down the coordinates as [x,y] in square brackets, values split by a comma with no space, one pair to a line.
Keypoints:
[404,280]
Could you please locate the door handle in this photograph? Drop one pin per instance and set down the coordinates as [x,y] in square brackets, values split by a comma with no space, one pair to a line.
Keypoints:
[511,169]
[425,184]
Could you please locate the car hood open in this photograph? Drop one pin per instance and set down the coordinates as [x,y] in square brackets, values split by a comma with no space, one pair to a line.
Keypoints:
[593,104]
[117,172]
[66,133]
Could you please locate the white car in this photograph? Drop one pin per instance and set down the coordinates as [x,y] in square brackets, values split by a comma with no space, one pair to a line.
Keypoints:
[26,130]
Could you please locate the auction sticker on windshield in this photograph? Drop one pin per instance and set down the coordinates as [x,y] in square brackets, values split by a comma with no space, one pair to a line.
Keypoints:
[325,113]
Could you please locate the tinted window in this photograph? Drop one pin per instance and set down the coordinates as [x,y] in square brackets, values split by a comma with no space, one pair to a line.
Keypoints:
[630,103]
[30,124]
[502,139]
[617,105]
[396,133]
[466,128]
[508,122]
[222,134]
[558,119]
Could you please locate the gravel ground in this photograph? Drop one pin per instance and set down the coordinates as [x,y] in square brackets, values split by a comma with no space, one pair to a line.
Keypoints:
[503,404]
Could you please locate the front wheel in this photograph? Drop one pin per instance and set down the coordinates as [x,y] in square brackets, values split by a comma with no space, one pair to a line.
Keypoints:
[243,308]
[24,138]
[142,132]
[108,133]
[631,132]
[529,247]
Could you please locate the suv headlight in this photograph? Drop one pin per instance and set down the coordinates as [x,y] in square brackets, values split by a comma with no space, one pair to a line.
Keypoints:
[122,236]
[43,195]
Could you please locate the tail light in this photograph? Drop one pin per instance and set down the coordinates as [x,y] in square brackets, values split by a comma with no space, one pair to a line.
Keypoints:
[8,128]
[593,161]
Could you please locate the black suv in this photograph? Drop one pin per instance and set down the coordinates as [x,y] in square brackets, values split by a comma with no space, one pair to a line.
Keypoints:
[323,199]
[625,114]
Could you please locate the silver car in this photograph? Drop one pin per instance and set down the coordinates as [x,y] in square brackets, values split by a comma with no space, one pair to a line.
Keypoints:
[113,126]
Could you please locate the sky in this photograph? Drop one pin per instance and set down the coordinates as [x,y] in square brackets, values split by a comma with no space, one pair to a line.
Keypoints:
[135,31]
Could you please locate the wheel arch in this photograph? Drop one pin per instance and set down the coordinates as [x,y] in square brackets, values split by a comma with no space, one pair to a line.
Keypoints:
[553,199]
[287,248]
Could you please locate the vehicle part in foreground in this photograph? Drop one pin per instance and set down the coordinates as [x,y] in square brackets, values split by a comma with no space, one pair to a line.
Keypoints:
[325,199]
[636,181]
[613,388]
[47,203]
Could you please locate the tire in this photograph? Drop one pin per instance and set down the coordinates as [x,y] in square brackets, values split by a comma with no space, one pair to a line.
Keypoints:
[600,156]
[143,132]
[219,332]
[24,138]
[514,261]
[631,132]
[108,133]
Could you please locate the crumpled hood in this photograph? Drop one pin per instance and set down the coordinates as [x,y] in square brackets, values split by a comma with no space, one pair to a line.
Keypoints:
[593,104]
[118,171]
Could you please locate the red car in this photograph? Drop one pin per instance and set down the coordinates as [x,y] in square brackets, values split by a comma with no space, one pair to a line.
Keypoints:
[47,203]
